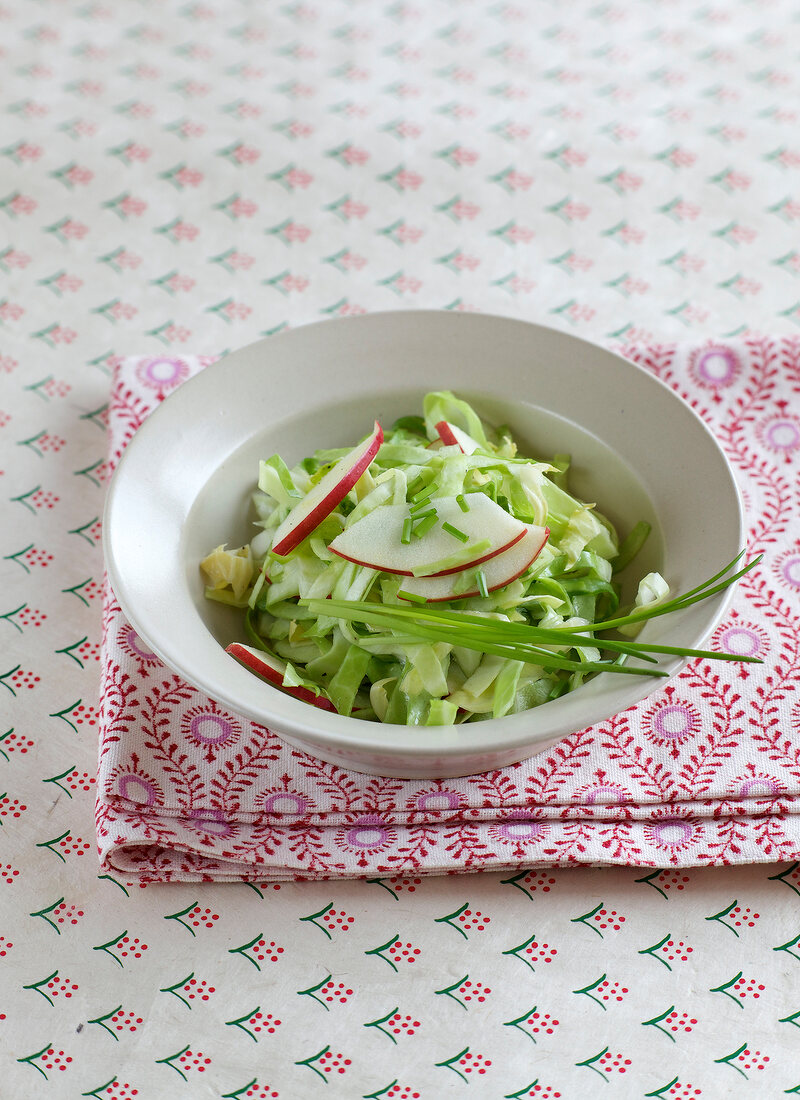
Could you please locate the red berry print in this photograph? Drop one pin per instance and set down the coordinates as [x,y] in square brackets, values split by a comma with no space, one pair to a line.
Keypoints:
[474,1063]
[15,742]
[743,916]
[673,880]
[539,880]
[89,651]
[61,987]
[79,781]
[676,950]
[606,919]
[54,387]
[543,1092]
[264,950]
[8,873]
[67,914]
[198,990]
[680,1022]
[11,807]
[261,1092]
[125,1021]
[202,918]
[41,499]
[74,844]
[474,991]
[473,919]
[23,679]
[338,921]
[55,1059]
[332,992]
[747,987]
[50,443]
[403,1025]
[403,1092]
[31,616]
[5,946]
[120,1090]
[194,1060]
[541,952]
[400,884]
[263,1021]
[131,946]
[35,557]
[683,1091]
[334,1063]
[542,1022]
[85,715]
[404,952]
[611,991]
[614,1063]
[752,1059]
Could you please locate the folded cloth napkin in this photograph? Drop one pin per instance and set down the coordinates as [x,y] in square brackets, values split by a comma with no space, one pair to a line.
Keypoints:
[705,771]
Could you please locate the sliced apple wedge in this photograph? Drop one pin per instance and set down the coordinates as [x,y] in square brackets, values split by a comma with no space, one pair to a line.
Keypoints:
[498,571]
[273,669]
[326,494]
[375,540]
[451,436]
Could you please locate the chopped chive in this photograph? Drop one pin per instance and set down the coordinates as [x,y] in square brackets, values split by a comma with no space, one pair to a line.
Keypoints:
[405,538]
[426,522]
[462,503]
[454,531]
[422,502]
[412,597]
[417,484]
[480,576]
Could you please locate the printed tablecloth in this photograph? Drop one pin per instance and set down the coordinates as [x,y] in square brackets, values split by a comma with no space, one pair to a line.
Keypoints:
[190,176]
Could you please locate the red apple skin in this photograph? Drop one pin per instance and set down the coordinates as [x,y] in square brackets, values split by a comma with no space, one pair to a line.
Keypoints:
[445,572]
[493,587]
[259,662]
[449,437]
[296,533]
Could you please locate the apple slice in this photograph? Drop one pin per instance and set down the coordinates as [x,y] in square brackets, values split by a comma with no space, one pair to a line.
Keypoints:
[375,540]
[308,513]
[498,571]
[273,669]
[452,436]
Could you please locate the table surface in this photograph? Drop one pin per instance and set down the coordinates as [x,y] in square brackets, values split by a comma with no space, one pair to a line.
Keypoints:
[191,176]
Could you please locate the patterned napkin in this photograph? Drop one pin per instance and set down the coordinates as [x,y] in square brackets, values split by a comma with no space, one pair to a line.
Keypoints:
[704,771]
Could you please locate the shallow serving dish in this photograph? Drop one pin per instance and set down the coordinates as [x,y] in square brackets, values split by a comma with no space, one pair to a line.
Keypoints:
[184,483]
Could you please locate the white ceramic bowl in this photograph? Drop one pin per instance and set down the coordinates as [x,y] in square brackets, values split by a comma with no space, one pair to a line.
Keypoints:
[184,483]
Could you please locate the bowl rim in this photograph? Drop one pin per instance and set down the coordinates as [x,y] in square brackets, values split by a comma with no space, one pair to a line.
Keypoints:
[292,717]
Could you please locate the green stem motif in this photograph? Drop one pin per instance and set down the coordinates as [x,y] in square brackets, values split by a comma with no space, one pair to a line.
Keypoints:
[62,714]
[57,780]
[6,675]
[378,951]
[101,1020]
[31,442]
[793,1019]
[110,879]
[723,913]
[315,1057]
[37,987]
[587,991]
[449,991]
[18,555]
[9,616]
[96,416]
[109,944]
[379,1025]
[589,1063]
[515,881]
[83,529]
[312,919]
[56,840]
[242,1091]
[30,1060]
[255,889]
[588,916]
[88,472]
[23,499]
[526,1090]
[454,916]
[245,948]
[75,590]
[312,991]
[521,947]
[3,736]
[658,1094]
[388,889]
[450,1063]
[518,1025]
[181,914]
[67,651]
[242,1020]
[794,942]
[727,1060]
[168,1062]
[657,947]
[43,914]
[380,1092]
[726,986]
[37,387]
[173,989]
[783,877]
[98,1091]
[658,1020]
[650,881]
